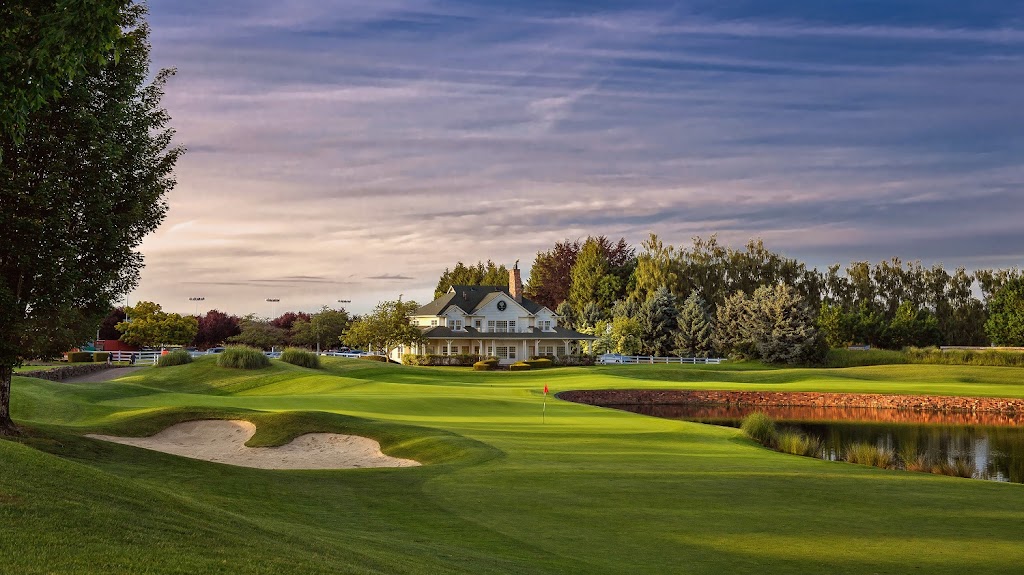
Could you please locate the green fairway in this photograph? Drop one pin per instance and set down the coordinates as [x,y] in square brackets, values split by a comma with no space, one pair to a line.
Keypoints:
[589,491]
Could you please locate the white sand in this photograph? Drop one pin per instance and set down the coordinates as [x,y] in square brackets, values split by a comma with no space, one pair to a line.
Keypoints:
[224,442]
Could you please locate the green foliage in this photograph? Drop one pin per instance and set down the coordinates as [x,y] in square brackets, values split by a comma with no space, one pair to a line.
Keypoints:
[761,428]
[659,321]
[301,358]
[177,357]
[567,316]
[732,326]
[243,357]
[836,326]
[377,358]
[520,366]
[1005,325]
[481,274]
[591,266]
[259,333]
[539,362]
[79,357]
[82,176]
[149,326]
[386,328]
[988,357]
[100,356]
[911,326]
[695,335]
[483,366]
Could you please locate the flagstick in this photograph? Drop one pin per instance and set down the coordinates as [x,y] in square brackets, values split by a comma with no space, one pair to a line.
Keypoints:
[544,410]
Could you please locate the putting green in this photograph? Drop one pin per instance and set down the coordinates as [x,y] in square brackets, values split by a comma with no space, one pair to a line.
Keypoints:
[587,491]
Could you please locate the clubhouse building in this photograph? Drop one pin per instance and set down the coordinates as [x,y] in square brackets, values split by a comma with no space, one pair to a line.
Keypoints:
[494,321]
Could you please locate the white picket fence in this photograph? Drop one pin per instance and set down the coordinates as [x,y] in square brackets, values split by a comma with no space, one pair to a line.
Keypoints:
[135,357]
[682,360]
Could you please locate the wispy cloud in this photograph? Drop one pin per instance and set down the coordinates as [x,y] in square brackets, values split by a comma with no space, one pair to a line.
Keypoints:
[334,142]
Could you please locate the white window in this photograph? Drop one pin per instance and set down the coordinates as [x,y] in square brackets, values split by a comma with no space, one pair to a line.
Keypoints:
[477,324]
[433,323]
[511,325]
[504,352]
[490,325]
[456,324]
[545,325]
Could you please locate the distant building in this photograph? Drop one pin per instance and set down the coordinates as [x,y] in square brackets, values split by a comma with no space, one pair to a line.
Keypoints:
[494,321]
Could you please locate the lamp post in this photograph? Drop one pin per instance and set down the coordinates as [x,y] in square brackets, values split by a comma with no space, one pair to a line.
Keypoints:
[197,300]
[273,306]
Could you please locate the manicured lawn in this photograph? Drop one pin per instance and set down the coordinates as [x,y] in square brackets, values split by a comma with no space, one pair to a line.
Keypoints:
[589,491]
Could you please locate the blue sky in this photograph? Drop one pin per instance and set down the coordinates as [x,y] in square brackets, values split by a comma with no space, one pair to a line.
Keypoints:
[354,149]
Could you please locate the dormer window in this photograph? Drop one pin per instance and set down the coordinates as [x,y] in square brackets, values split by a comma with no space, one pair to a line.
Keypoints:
[456,324]
[545,325]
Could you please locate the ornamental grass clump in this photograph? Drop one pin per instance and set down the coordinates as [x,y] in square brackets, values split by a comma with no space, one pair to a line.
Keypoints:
[759,427]
[797,443]
[868,454]
[301,358]
[243,357]
[179,357]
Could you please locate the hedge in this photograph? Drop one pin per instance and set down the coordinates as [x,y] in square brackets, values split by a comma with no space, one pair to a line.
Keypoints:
[379,358]
[520,366]
[573,360]
[101,356]
[539,362]
[79,357]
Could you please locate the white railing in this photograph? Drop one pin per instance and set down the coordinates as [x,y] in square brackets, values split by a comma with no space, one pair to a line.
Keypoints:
[135,357]
[637,359]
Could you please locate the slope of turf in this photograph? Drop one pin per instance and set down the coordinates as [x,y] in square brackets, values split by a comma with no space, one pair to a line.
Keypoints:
[588,491]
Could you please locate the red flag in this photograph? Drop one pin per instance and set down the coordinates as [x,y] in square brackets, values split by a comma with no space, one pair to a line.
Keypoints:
[545,389]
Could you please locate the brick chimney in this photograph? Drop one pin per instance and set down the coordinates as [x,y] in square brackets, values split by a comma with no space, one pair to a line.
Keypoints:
[515,283]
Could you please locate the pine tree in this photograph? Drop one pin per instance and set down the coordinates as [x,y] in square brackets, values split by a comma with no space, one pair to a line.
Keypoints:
[783,328]
[659,322]
[733,320]
[694,338]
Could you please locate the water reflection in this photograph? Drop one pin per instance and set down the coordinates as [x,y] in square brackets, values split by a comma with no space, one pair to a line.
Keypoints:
[988,446]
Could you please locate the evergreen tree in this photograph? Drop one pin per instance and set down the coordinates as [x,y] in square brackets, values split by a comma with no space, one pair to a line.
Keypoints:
[783,330]
[732,321]
[694,338]
[481,274]
[551,274]
[659,320]
[590,269]
[567,315]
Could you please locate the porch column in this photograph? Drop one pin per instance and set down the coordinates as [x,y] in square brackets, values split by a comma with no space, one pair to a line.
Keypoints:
[536,347]
[448,350]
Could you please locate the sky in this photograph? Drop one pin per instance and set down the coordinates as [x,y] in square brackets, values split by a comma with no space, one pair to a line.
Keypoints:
[354,149]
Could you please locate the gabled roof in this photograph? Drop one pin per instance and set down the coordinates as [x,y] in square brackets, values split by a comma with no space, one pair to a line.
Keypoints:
[471,299]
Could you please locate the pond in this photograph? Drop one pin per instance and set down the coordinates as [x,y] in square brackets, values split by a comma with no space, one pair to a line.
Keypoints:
[981,445]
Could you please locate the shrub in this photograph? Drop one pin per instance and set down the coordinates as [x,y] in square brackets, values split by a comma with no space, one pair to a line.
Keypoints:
[301,358]
[79,357]
[179,357]
[539,362]
[379,358]
[520,366]
[101,356]
[484,365]
[410,359]
[759,427]
[791,441]
[959,467]
[242,357]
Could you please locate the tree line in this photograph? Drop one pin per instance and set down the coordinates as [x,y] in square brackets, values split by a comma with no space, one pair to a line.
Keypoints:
[706,298]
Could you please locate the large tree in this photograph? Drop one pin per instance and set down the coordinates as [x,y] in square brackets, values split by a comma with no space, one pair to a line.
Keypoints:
[386,328]
[215,328]
[148,325]
[259,332]
[481,274]
[78,193]
[550,274]
[695,335]
[1005,325]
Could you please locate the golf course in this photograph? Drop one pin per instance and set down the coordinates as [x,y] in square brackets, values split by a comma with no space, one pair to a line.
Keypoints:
[499,490]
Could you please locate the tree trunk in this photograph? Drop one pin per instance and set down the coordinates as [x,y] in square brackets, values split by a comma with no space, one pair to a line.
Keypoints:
[7,426]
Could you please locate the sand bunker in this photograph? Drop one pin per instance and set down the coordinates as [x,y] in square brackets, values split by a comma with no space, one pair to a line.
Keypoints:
[224,442]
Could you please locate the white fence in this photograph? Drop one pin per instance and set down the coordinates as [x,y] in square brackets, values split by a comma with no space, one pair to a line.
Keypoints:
[654,359]
[135,357]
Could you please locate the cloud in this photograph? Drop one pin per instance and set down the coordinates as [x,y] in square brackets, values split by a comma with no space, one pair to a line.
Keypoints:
[336,142]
